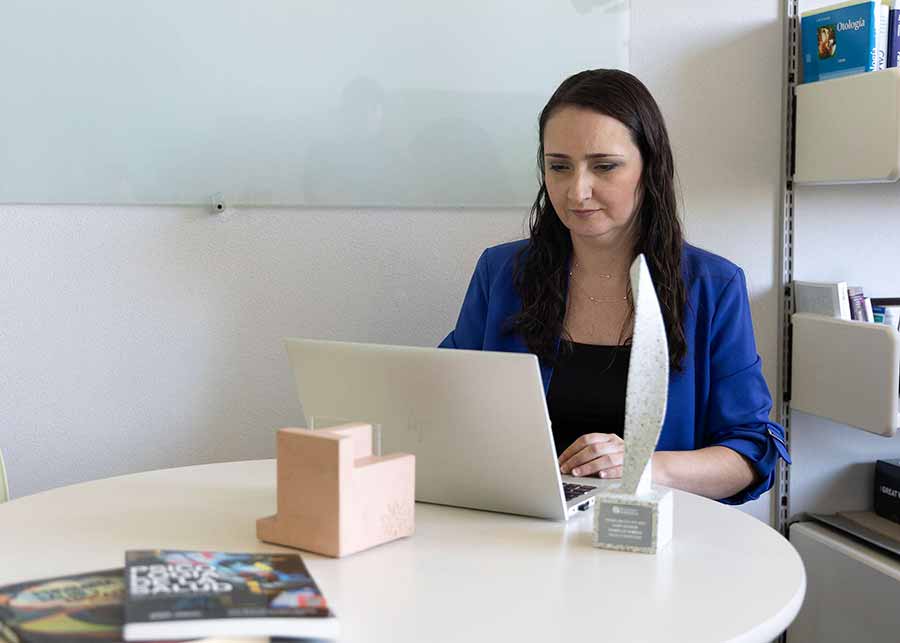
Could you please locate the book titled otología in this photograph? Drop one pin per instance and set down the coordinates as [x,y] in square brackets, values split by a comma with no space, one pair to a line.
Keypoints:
[839,40]
[184,594]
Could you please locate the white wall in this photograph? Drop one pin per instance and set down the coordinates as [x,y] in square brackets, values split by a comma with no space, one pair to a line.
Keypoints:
[137,337]
[144,337]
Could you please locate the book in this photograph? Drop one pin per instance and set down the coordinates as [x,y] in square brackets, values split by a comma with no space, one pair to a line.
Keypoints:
[86,608]
[891,306]
[870,315]
[822,298]
[173,594]
[893,39]
[839,40]
[857,303]
[881,34]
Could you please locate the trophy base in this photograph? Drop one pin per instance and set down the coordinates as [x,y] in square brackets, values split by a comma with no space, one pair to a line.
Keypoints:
[634,523]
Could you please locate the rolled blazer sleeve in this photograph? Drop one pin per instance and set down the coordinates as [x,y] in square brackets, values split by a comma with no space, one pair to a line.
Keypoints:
[470,327]
[739,400]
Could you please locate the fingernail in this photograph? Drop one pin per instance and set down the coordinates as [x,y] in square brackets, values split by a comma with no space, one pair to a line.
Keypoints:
[603,474]
[576,472]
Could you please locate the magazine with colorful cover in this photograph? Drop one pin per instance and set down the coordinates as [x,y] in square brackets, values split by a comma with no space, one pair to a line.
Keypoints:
[79,608]
[189,594]
[839,40]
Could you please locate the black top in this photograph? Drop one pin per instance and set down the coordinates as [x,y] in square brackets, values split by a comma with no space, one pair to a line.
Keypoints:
[587,392]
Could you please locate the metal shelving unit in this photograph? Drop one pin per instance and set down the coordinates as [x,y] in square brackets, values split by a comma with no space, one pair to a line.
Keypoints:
[783,390]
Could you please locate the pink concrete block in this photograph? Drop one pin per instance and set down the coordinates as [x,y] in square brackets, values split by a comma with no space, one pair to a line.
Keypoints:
[335,497]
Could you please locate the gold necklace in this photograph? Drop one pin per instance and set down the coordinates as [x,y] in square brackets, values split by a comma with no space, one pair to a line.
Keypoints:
[602,275]
[596,300]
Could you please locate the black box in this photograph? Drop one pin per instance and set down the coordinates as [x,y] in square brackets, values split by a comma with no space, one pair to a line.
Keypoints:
[887,489]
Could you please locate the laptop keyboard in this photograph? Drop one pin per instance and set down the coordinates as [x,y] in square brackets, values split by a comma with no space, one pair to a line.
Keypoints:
[573,490]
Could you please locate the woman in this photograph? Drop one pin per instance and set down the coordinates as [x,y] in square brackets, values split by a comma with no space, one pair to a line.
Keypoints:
[607,194]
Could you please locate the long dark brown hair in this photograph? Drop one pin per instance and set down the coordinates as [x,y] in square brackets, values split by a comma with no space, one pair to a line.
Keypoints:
[541,274]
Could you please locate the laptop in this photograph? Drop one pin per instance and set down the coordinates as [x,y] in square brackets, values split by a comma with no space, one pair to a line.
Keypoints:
[476,421]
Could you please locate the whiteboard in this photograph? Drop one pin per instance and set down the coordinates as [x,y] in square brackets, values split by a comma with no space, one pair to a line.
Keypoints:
[344,103]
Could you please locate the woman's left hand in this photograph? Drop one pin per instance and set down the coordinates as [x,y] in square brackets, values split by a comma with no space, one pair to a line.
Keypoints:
[599,454]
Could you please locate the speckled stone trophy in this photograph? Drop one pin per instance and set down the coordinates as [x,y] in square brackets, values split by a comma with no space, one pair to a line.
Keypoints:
[636,516]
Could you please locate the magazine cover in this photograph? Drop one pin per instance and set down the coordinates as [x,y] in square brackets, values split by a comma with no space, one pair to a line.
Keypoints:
[839,40]
[183,594]
[81,607]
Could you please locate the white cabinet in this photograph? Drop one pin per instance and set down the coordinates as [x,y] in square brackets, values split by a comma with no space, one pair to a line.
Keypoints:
[852,590]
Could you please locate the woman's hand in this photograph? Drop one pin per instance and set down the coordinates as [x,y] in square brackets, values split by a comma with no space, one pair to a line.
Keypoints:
[599,454]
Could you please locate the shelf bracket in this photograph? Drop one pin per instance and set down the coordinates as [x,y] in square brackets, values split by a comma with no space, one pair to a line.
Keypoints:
[791,26]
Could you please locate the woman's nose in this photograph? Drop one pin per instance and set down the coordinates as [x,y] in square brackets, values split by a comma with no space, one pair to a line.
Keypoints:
[580,188]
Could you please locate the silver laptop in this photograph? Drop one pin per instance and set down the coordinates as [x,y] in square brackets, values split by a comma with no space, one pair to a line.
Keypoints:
[476,421]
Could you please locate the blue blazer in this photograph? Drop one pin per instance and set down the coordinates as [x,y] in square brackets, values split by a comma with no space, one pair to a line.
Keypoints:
[720,398]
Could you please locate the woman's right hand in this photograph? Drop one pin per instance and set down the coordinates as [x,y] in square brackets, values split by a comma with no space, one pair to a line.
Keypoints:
[600,454]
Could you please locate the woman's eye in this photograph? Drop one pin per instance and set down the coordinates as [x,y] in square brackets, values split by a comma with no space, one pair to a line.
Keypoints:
[605,167]
[557,167]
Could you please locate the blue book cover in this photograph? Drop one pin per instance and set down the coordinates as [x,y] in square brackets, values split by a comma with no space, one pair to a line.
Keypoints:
[893,38]
[838,40]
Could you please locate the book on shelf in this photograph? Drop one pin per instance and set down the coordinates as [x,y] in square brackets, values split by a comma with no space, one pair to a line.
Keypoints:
[881,34]
[840,40]
[858,309]
[173,594]
[82,608]
[867,304]
[889,308]
[822,298]
[893,38]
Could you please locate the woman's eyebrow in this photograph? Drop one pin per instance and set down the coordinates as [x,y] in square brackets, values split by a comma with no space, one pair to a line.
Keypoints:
[598,155]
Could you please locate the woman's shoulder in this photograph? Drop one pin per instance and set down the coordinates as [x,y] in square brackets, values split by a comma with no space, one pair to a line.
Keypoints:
[502,257]
[705,268]
[506,251]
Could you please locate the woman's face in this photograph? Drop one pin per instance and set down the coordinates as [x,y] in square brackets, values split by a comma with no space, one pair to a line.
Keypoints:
[593,173]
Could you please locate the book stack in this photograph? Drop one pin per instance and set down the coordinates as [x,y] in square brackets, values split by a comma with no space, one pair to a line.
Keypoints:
[166,595]
[849,38]
[837,299]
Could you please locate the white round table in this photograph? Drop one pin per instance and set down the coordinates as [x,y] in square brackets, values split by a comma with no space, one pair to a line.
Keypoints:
[464,576]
